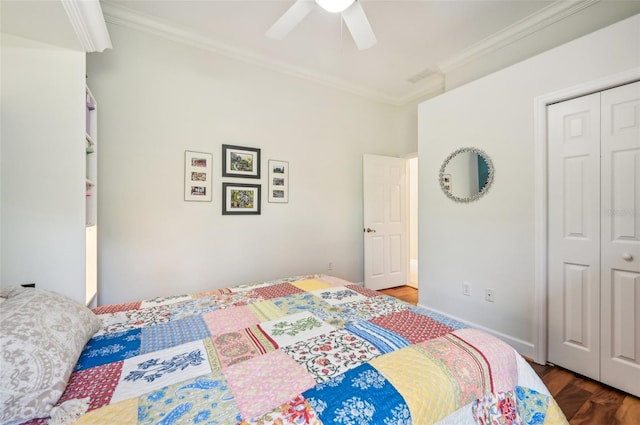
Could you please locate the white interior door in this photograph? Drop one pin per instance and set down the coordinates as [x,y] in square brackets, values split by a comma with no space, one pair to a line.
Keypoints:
[574,235]
[385,221]
[620,280]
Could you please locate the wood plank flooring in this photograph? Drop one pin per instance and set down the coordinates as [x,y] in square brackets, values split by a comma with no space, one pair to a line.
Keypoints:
[405,293]
[583,401]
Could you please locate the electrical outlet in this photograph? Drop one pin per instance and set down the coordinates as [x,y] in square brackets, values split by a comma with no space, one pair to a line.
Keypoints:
[490,295]
[330,267]
[466,289]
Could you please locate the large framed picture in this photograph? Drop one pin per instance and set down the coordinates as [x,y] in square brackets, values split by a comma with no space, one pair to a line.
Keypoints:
[239,161]
[239,198]
[278,181]
[197,176]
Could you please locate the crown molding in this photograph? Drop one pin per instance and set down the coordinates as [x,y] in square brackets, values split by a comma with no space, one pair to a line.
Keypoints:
[549,15]
[117,14]
[125,17]
[88,23]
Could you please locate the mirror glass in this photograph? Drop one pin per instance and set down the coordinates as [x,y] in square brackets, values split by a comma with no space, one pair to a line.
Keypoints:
[466,174]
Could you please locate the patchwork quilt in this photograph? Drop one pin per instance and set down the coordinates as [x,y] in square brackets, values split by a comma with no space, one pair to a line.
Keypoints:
[303,350]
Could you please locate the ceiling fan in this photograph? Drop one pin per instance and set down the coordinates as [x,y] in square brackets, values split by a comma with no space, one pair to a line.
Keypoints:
[351,11]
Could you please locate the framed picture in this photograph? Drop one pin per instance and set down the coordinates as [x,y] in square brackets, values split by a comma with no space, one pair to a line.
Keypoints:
[278,181]
[197,176]
[238,161]
[239,198]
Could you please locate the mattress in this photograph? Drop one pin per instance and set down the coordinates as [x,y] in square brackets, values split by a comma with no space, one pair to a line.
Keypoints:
[302,350]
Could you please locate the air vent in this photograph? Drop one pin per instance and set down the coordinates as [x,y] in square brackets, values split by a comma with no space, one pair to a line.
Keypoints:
[421,76]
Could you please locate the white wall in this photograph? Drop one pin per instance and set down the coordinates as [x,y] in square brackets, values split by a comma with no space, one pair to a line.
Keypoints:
[407,127]
[158,98]
[490,243]
[42,166]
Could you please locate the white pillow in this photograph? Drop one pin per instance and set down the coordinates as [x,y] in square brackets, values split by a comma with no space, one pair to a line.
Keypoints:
[41,337]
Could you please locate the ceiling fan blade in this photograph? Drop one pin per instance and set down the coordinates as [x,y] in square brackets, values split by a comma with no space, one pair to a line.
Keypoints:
[291,18]
[359,26]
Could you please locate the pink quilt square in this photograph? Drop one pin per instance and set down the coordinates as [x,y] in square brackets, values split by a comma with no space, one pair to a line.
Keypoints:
[501,357]
[230,320]
[115,308]
[236,347]
[276,291]
[364,291]
[235,299]
[97,383]
[266,381]
[412,326]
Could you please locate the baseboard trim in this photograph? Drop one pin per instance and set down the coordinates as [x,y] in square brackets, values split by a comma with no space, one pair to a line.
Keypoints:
[525,348]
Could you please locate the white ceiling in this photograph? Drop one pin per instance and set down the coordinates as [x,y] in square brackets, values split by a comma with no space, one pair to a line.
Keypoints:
[44,21]
[437,37]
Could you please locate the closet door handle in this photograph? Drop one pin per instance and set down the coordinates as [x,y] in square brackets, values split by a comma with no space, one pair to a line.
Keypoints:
[627,257]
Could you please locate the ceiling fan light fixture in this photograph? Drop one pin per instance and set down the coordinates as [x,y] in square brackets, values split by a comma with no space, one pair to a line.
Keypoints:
[334,6]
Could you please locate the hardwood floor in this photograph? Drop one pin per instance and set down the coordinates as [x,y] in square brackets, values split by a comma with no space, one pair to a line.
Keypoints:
[583,401]
[405,293]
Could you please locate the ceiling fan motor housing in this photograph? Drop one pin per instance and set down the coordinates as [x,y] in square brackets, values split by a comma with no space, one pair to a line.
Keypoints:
[334,6]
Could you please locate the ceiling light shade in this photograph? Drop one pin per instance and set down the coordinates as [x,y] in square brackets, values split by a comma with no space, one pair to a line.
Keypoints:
[334,6]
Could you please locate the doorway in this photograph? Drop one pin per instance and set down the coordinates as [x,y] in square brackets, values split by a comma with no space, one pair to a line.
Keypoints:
[412,195]
[390,213]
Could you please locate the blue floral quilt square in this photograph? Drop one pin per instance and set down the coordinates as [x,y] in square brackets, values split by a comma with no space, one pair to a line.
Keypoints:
[359,396]
[109,348]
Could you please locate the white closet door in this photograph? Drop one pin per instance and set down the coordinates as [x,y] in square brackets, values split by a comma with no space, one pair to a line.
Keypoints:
[621,238]
[574,234]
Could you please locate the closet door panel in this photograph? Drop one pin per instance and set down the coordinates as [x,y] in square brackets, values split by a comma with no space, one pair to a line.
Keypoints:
[625,297]
[621,205]
[574,234]
[577,294]
[620,227]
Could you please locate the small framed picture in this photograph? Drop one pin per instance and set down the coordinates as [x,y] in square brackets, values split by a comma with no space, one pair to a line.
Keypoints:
[239,161]
[278,181]
[197,176]
[239,198]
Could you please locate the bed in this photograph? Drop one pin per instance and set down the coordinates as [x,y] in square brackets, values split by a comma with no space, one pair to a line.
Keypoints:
[303,350]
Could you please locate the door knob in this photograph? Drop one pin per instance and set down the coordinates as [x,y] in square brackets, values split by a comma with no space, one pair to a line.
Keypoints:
[369,230]
[627,257]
